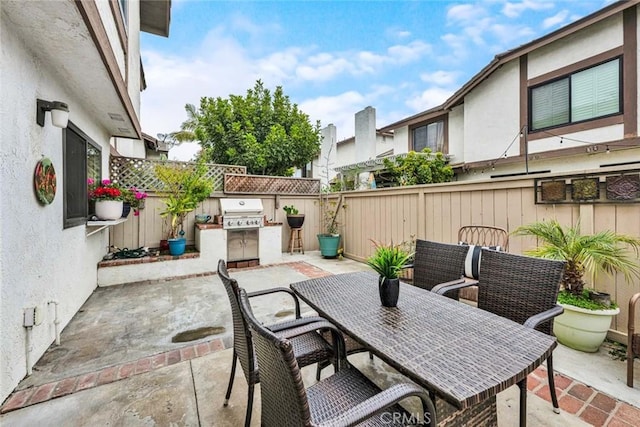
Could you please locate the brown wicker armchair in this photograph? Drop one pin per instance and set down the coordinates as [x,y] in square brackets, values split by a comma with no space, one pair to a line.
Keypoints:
[346,398]
[633,345]
[438,267]
[309,347]
[525,290]
[481,235]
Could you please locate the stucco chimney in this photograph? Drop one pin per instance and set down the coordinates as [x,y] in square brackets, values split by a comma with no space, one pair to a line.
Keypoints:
[366,134]
[327,155]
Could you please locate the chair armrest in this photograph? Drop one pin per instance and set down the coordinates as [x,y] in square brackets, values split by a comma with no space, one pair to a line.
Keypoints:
[294,323]
[339,346]
[453,285]
[386,398]
[274,290]
[536,319]
[404,267]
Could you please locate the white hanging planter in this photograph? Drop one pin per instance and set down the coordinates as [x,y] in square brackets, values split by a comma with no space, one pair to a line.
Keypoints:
[108,210]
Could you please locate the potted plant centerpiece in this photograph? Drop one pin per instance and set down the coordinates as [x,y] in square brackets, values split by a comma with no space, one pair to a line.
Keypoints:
[133,199]
[294,218]
[108,198]
[585,321]
[388,261]
[184,188]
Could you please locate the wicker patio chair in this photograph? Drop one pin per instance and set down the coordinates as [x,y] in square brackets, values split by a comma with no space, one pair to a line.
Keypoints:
[309,347]
[346,398]
[633,345]
[481,235]
[436,265]
[525,290]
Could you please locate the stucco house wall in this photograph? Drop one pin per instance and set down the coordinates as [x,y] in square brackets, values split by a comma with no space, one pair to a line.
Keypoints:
[456,134]
[41,262]
[491,115]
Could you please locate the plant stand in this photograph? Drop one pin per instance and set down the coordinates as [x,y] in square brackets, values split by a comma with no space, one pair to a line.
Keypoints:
[296,242]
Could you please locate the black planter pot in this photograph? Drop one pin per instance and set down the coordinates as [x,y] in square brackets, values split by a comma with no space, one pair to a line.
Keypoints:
[295,221]
[126,208]
[389,291]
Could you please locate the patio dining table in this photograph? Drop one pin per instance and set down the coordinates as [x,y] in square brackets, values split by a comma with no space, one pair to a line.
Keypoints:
[457,352]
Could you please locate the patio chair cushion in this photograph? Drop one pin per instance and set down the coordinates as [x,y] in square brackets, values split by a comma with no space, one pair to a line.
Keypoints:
[472,261]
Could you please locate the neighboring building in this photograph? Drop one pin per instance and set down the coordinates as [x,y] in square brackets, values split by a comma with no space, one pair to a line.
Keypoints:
[569,100]
[86,55]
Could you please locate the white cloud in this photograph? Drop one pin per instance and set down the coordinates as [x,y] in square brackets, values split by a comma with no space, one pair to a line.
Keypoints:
[441,78]
[465,13]
[402,54]
[514,10]
[339,110]
[458,47]
[429,98]
[556,20]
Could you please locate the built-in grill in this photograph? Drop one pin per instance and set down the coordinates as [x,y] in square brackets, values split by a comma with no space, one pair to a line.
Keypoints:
[242,218]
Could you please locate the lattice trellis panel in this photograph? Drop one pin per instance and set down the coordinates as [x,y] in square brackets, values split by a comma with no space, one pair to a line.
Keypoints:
[128,171]
[258,184]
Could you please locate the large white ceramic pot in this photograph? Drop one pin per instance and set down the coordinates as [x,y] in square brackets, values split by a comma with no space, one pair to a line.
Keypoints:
[583,329]
[108,209]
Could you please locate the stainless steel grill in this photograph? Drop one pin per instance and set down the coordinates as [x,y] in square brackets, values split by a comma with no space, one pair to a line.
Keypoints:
[241,213]
[242,218]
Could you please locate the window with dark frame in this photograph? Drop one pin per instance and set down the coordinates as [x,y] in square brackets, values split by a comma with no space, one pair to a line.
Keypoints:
[430,135]
[584,95]
[82,161]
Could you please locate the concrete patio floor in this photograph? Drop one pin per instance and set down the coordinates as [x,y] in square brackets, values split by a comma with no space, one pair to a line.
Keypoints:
[117,364]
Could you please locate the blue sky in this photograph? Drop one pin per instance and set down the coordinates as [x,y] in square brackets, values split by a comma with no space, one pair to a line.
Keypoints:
[334,58]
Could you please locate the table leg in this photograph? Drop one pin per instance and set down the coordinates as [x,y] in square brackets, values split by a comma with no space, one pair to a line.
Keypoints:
[522,385]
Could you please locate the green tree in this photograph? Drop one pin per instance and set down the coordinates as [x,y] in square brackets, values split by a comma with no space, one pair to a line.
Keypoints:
[416,168]
[263,131]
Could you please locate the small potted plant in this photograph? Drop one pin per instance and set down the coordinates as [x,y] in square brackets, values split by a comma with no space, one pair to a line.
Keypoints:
[294,218]
[585,321]
[108,198]
[184,188]
[388,261]
[133,199]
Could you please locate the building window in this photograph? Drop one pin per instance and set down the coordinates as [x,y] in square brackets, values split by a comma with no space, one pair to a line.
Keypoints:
[429,136]
[585,95]
[82,160]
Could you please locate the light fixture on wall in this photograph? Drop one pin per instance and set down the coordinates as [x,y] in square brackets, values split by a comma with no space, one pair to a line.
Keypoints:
[59,113]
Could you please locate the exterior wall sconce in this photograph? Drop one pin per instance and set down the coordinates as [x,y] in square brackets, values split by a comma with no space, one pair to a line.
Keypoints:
[59,113]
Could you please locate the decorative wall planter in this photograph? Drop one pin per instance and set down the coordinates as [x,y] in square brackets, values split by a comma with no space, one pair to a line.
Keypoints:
[583,329]
[109,210]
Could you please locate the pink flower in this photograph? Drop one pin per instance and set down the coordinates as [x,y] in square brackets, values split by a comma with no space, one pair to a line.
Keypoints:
[106,182]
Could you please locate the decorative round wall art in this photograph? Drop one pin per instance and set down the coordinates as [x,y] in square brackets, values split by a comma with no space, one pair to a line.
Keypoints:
[45,181]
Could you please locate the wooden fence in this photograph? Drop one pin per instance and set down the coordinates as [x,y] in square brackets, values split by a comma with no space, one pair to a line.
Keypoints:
[433,212]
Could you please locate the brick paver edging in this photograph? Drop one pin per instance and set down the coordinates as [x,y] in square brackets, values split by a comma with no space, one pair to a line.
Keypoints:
[44,392]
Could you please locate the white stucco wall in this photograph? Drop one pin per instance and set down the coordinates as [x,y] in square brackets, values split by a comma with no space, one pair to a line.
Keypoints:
[39,260]
[328,155]
[456,134]
[491,115]
[597,38]
[401,140]
[365,134]
[346,154]
[130,147]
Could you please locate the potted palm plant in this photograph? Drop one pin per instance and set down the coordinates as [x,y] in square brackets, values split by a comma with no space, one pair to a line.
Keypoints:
[586,320]
[294,218]
[184,188]
[388,261]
